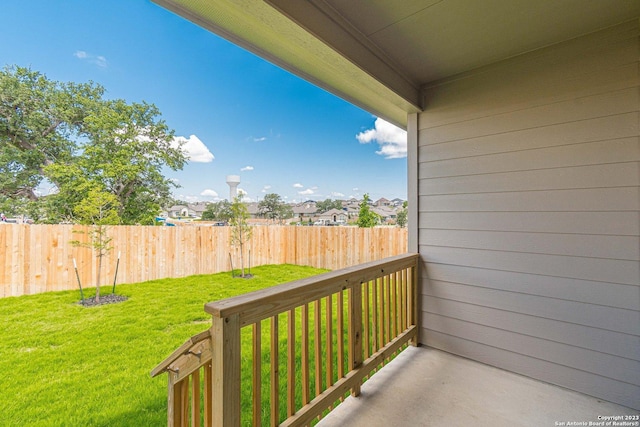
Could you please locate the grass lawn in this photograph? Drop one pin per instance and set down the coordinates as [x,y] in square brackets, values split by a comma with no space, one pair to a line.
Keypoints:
[62,364]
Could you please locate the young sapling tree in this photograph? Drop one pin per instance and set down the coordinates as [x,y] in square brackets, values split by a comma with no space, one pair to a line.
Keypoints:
[98,210]
[240,228]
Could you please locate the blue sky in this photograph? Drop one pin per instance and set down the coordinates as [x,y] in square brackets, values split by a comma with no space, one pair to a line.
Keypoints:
[239,114]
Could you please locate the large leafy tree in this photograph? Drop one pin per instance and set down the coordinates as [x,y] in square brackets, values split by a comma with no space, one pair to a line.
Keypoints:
[68,134]
[273,207]
[328,204]
[39,121]
[218,211]
[128,149]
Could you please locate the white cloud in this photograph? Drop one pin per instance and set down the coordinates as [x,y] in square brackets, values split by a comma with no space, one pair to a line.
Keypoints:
[262,138]
[209,193]
[189,198]
[391,139]
[246,168]
[306,192]
[266,188]
[98,60]
[298,185]
[194,149]
[336,194]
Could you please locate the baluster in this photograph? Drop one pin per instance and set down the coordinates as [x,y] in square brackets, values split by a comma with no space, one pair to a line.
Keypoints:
[305,354]
[257,374]
[291,363]
[329,341]
[318,345]
[275,383]
[355,332]
[195,398]
[208,408]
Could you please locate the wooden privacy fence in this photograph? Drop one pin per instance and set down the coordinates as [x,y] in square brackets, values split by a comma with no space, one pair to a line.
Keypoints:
[39,258]
[287,354]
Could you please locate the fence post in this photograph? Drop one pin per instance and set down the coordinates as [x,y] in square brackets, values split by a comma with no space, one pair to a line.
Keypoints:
[225,346]
[355,331]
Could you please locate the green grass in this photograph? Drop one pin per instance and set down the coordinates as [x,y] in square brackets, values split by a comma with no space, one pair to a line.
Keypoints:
[62,364]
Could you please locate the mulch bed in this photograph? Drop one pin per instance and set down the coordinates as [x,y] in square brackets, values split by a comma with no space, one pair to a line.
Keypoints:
[104,299]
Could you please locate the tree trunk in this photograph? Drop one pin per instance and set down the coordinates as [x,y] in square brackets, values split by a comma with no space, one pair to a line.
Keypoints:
[98,277]
[242,259]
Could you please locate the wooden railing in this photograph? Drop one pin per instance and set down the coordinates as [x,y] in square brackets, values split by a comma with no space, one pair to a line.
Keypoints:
[286,355]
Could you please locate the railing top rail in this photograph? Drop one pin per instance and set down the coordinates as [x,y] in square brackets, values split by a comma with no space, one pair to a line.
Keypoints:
[262,304]
[180,352]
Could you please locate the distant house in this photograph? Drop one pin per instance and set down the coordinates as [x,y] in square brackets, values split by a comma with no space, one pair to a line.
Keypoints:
[252,209]
[303,212]
[192,210]
[397,202]
[382,202]
[387,215]
[334,216]
[198,209]
[179,211]
[351,203]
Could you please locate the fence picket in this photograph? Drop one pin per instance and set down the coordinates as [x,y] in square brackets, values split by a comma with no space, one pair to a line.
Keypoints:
[39,258]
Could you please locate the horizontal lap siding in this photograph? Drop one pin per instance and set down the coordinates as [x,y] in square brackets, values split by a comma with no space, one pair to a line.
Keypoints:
[529,215]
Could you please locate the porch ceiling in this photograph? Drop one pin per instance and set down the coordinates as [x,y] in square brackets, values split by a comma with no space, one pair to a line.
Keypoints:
[378,54]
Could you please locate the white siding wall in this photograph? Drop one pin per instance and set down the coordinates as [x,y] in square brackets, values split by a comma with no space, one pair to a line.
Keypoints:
[529,214]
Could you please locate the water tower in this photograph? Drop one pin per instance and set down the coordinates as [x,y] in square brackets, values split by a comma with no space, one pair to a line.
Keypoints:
[233,181]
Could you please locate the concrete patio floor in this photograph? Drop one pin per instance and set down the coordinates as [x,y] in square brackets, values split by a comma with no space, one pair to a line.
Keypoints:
[428,387]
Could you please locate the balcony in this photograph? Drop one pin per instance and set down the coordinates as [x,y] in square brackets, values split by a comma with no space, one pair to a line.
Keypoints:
[341,348]
[338,328]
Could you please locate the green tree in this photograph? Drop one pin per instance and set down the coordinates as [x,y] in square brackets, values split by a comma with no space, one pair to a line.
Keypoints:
[128,146]
[218,211]
[328,204]
[286,212]
[240,228]
[401,218]
[366,217]
[39,121]
[69,135]
[99,210]
[273,207]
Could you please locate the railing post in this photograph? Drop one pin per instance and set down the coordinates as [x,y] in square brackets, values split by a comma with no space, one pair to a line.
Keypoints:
[225,346]
[355,331]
